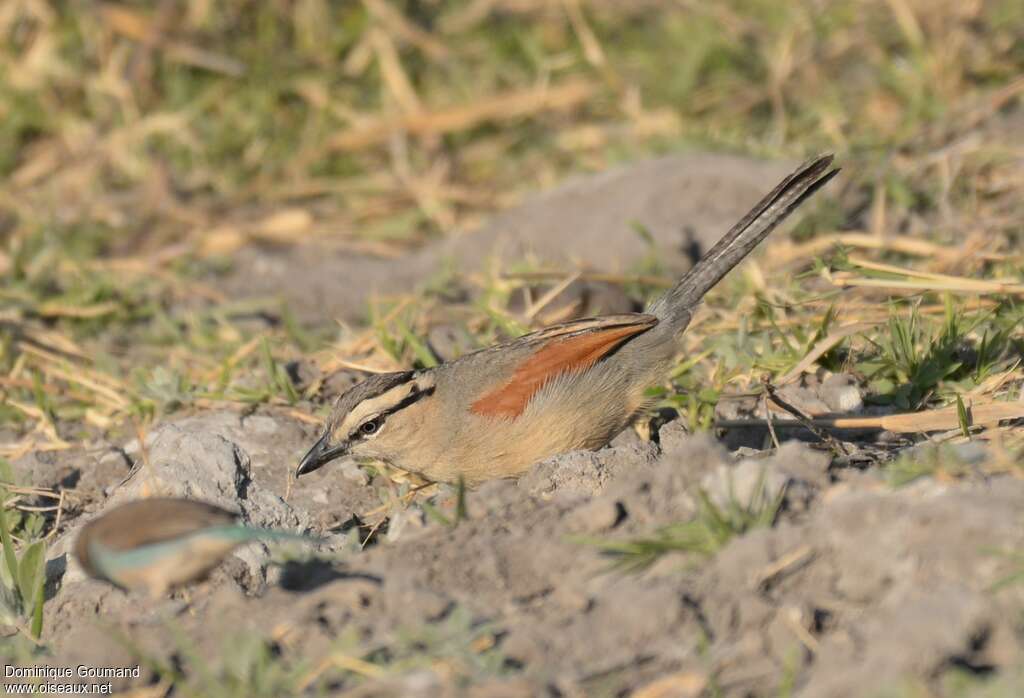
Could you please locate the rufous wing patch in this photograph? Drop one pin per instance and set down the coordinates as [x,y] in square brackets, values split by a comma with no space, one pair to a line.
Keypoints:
[560,355]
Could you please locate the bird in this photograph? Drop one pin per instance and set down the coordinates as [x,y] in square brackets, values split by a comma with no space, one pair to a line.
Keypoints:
[493,413]
[159,543]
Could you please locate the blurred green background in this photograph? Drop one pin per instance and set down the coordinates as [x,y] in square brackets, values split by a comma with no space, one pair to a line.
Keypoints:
[125,125]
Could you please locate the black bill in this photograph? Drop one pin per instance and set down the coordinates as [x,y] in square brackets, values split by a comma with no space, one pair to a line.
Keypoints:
[319,455]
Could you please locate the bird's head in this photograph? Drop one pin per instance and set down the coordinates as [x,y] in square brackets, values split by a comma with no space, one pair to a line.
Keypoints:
[371,420]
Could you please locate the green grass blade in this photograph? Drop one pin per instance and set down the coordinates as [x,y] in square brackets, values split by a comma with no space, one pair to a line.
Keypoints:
[10,559]
[961,413]
[29,570]
[460,501]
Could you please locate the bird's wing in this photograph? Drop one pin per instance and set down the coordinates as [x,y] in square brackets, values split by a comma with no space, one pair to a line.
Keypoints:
[571,346]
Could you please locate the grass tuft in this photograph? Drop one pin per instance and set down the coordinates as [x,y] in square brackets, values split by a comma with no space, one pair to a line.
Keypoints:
[708,532]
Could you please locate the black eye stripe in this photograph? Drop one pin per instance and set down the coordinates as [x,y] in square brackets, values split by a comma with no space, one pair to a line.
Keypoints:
[380,418]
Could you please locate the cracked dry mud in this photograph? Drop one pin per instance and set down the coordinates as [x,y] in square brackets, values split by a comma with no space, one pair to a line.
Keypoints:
[858,588]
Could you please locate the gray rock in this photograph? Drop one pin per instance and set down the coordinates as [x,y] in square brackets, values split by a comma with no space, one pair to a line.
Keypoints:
[800,462]
[684,201]
[842,393]
[196,458]
[449,342]
[585,473]
[750,484]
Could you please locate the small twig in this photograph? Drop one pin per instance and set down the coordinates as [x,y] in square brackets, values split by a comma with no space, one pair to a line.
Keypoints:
[833,444]
[57,518]
[140,434]
[373,530]
[406,500]
[34,510]
[341,661]
[620,279]
[37,491]
[531,312]
[789,562]
[768,419]
[792,620]
[289,481]
[22,630]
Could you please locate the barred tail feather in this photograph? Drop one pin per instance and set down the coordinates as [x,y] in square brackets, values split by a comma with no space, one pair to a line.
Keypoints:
[744,237]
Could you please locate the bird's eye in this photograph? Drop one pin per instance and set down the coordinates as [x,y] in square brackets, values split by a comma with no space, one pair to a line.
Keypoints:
[371,427]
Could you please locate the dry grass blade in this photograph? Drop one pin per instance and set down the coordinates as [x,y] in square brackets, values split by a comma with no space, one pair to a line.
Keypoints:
[847,280]
[340,661]
[57,310]
[622,279]
[503,107]
[682,684]
[922,280]
[400,26]
[785,251]
[14,451]
[48,388]
[909,423]
[948,418]
[793,560]
[821,348]
[43,422]
[91,380]
[531,312]
[395,77]
[994,383]
[139,27]
[588,40]
[915,273]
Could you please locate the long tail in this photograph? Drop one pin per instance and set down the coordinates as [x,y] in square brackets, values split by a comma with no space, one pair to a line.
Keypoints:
[743,238]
